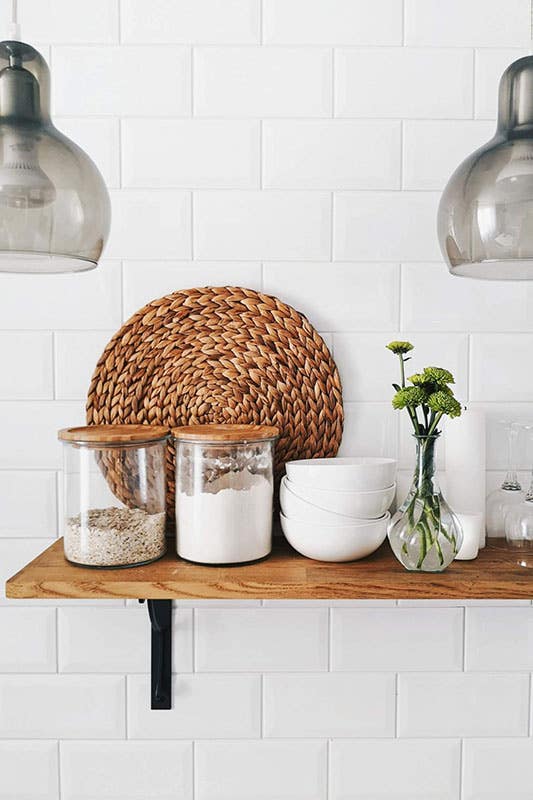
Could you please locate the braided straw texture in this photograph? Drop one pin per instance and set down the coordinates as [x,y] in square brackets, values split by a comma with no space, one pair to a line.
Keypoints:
[226,355]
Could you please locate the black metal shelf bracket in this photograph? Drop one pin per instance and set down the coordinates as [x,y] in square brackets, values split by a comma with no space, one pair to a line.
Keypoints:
[160,612]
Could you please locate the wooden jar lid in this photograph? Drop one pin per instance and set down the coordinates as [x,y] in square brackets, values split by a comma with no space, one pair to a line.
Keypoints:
[225,433]
[114,434]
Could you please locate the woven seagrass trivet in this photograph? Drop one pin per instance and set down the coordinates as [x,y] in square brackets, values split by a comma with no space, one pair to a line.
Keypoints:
[226,355]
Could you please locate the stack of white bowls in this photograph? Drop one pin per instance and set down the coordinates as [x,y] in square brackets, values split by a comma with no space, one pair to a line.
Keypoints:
[336,509]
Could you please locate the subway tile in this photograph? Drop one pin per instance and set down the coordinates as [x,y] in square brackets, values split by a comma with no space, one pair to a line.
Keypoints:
[499,639]
[328,603]
[99,137]
[333,22]
[490,64]
[190,22]
[37,515]
[27,372]
[368,369]
[29,771]
[214,603]
[114,81]
[261,770]
[262,82]
[395,770]
[261,640]
[498,768]
[370,429]
[433,299]
[433,149]
[61,707]
[126,770]
[497,367]
[150,224]
[397,639]
[76,356]
[404,82]
[331,154]
[478,23]
[192,153]
[337,706]
[146,280]
[497,447]
[30,439]
[463,705]
[28,637]
[75,301]
[262,225]
[338,297]
[117,640]
[386,226]
[15,554]
[204,707]
[61,21]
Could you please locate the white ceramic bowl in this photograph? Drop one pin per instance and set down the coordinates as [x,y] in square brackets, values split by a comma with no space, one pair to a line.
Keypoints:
[335,542]
[297,508]
[343,474]
[361,505]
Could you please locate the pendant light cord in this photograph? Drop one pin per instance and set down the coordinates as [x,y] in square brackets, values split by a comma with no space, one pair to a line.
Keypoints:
[14,27]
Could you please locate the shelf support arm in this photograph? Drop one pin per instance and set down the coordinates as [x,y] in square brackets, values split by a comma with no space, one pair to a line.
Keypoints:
[160,612]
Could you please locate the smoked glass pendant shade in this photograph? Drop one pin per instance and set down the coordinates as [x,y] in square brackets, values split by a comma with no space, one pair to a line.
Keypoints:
[54,206]
[485,218]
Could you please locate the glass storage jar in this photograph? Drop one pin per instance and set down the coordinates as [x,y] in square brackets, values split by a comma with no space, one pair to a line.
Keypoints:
[114,494]
[224,490]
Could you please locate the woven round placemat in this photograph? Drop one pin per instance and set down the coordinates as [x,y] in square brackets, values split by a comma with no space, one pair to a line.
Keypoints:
[226,355]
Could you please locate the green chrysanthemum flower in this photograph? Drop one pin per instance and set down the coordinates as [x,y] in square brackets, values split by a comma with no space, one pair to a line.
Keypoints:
[399,348]
[438,375]
[421,379]
[445,403]
[409,397]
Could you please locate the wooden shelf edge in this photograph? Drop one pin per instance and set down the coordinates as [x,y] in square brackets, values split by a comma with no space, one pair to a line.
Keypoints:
[284,576]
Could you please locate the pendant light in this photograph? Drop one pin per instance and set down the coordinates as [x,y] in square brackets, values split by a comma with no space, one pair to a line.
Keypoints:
[485,217]
[54,206]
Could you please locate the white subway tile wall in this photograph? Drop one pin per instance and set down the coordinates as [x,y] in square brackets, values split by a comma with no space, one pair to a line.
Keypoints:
[297,147]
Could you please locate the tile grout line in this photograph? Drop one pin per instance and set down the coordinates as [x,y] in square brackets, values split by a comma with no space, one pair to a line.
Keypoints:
[465,623]
[120,155]
[54,365]
[60,793]
[193,638]
[331,227]
[262,706]
[396,696]
[328,768]
[333,82]
[461,768]
[192,63]
[192,224]
[119,21]
[261,155]
[330,635]
[126,721]
[193,767]
[530,706]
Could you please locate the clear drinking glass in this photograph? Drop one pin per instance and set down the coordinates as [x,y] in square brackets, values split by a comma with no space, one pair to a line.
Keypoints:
[510,493]
[519,519]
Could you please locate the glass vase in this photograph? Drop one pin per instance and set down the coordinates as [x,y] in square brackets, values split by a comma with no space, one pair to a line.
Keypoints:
[425,535]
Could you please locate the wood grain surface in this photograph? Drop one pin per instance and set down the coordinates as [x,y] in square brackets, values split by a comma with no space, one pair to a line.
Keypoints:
[284,575]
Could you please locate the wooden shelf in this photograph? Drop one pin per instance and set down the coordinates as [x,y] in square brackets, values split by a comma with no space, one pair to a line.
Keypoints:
[285,575]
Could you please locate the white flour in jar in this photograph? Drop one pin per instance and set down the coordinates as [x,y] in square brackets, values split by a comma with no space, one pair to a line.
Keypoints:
[229,522]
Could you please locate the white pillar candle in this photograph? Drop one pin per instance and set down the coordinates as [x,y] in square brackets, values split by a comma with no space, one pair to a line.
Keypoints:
[473,526]
[465,465]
